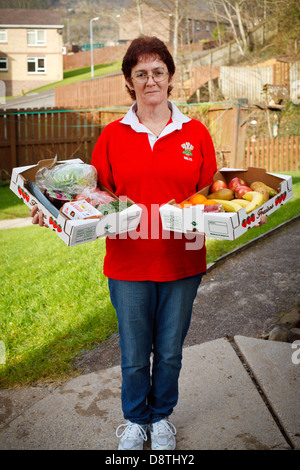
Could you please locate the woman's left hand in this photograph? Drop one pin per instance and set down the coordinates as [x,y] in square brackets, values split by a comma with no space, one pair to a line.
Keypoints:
[262,220]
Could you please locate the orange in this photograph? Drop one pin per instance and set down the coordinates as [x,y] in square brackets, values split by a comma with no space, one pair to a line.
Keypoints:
[210,202]
[198,199]
[185,204]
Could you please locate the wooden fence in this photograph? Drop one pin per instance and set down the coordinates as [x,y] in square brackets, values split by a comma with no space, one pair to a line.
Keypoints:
[274,154]
[108,91]
[99,92]
[27,136]
[257,82]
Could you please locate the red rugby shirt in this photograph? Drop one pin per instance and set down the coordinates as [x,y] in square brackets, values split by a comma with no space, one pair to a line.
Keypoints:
[127,165]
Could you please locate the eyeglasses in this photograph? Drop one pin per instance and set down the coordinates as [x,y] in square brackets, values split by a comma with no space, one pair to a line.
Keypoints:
[157,76]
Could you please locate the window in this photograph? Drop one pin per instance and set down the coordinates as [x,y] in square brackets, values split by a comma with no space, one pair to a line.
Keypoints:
[3,35]
[36,37]
[36,65]
[207,27]
[198,25]
[3,64]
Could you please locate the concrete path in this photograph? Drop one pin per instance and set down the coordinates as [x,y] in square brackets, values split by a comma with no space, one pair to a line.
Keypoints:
[238,395]
[42,99]
[15,223]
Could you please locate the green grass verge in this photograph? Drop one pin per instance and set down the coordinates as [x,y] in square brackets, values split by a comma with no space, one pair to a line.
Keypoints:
[55,300]
[83,73]
[54,304]
[11,206]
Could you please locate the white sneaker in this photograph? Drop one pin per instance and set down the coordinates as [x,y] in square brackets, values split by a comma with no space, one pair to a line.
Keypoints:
[133,436]
[162,435]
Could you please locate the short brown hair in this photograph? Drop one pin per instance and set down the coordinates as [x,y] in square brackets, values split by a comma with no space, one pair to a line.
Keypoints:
[146,45]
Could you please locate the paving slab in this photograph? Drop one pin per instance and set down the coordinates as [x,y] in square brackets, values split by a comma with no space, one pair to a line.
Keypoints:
[80,414]
[219,408]
[14,402]
[276,367]
[15,223]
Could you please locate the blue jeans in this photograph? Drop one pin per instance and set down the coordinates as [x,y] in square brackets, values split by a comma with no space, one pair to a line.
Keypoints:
[152,317]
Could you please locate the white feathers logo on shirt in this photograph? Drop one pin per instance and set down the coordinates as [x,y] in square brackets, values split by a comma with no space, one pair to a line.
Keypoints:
[187,152]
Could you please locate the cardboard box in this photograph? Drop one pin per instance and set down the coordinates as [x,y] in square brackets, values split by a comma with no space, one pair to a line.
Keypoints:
[227,225]
[74,232]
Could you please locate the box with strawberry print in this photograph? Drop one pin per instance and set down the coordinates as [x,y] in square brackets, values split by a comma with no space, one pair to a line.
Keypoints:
[233,203]
[92,213]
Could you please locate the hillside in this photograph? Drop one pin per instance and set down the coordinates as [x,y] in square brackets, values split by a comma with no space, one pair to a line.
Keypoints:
[76,15]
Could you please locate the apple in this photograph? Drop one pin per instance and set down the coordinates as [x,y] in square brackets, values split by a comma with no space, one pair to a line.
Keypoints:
[217,185]
[240,191]
[236,182]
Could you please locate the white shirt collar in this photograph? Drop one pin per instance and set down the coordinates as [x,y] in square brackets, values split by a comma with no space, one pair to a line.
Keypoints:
[178,119]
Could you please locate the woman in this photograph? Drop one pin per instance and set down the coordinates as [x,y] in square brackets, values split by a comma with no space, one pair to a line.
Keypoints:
[153,276]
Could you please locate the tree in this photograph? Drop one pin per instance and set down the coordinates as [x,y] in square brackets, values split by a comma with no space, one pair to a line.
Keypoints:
[175,33]
[230,10]
[219,33]
[176,11]
[139,13]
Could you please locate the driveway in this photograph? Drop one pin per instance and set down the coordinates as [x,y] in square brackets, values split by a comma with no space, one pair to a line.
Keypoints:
[43,99]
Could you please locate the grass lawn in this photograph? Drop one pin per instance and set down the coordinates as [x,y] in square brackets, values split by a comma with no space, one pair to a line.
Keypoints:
[54,303]
[55,300]
[83,73]
[10,205]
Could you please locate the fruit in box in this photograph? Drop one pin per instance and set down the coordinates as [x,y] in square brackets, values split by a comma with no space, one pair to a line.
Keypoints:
[197,199]
[232,198]
[264,192]
[217,186]
[256,199]
[241,190]
[184,204]
[259,185]
[225,193]
[229,206]
[235,182]
[241,202]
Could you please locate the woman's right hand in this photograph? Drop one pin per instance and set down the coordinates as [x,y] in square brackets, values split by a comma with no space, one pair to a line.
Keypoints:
[37,216]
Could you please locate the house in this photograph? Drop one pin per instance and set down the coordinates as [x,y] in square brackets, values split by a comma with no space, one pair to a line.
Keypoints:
[197,24]
[30,49]
[155,21]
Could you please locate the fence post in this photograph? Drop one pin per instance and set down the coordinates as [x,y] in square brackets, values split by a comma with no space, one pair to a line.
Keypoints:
[238,134]
[12,129]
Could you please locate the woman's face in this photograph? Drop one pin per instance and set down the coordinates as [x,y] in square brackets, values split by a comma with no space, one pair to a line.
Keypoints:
[150,93]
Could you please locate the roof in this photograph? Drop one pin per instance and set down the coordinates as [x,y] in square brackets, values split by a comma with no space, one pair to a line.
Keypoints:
[26,17]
